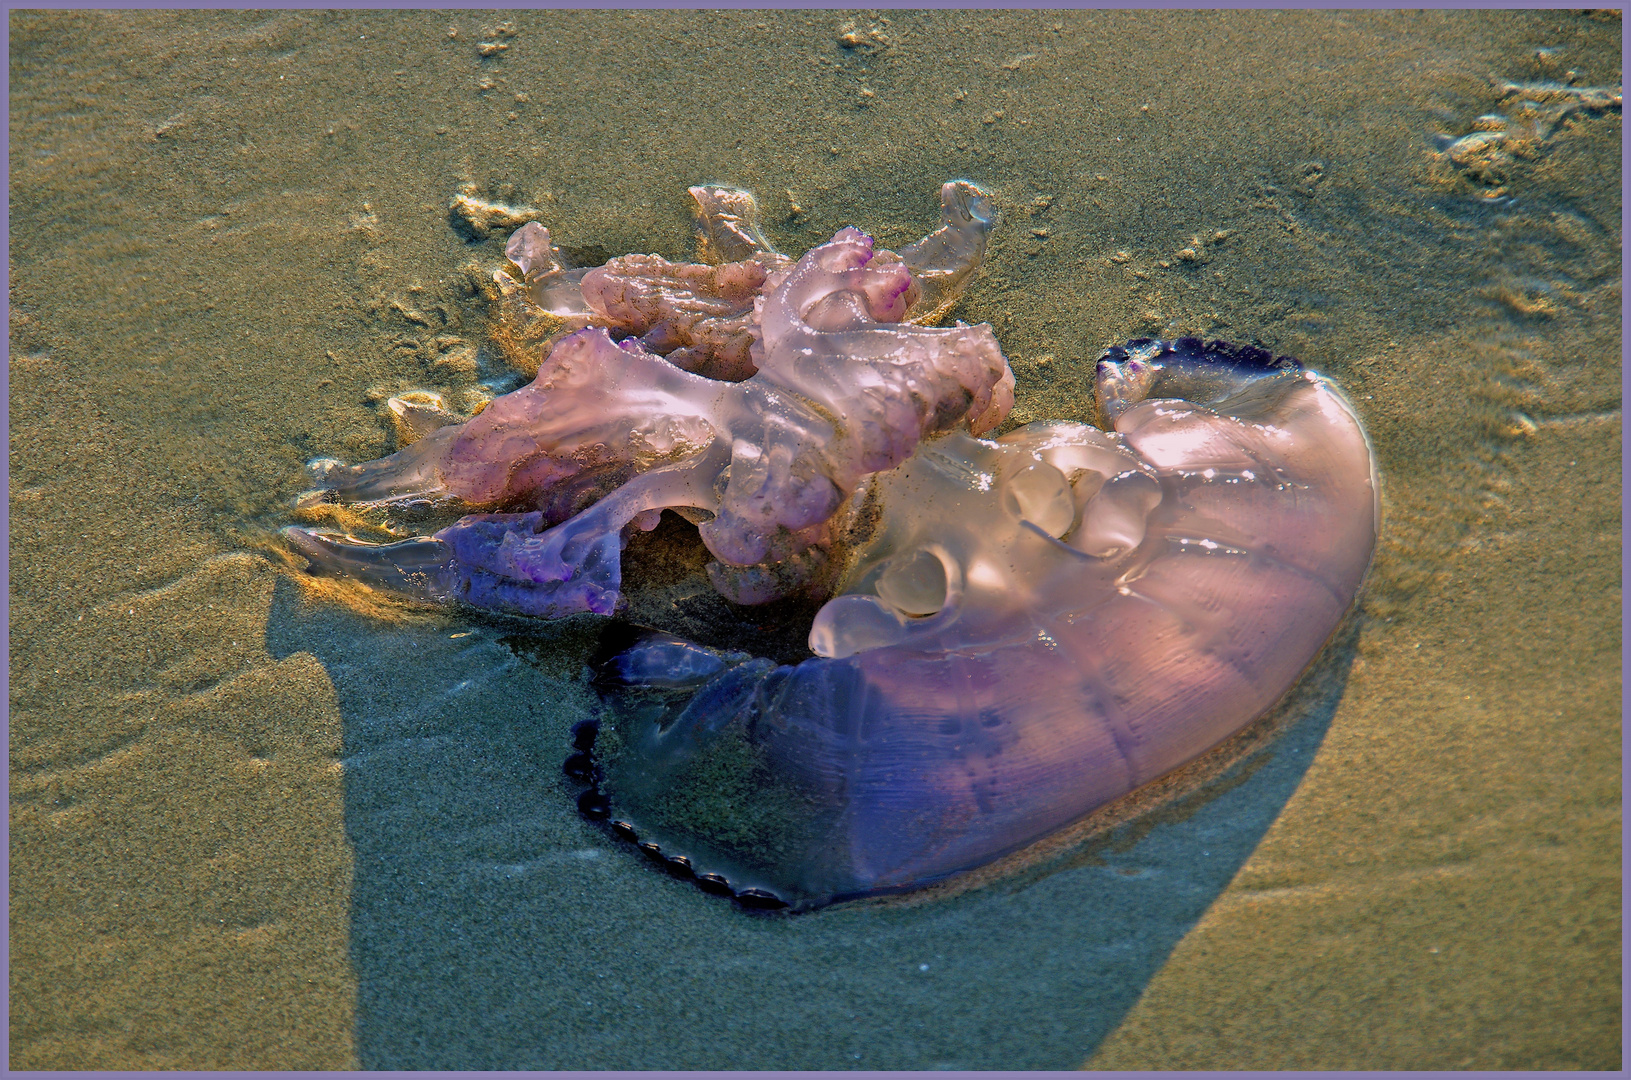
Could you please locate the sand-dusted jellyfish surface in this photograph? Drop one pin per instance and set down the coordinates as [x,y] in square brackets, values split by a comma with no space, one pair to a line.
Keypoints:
[1016,630]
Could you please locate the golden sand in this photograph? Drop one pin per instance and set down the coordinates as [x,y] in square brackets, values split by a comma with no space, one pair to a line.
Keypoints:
[255,825]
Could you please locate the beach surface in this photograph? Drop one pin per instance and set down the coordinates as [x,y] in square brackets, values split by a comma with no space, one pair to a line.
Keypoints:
[261,824]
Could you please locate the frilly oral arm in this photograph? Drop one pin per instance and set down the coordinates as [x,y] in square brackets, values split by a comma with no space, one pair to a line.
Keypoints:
[944,262]
[844,390]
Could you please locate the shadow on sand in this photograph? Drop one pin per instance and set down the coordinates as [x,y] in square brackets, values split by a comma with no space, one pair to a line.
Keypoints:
[493,928]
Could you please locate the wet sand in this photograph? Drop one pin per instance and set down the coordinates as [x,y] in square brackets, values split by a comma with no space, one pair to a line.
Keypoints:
[257,825]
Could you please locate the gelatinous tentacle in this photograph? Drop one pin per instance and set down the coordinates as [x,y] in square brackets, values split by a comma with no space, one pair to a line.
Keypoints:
[594,407]
[576,565]
[697,316]
[417,413]
[422,568]
[944,262]
[686,315]
[492,561]
[467,562]
[727,225]
[897,382]
[530,249]
[592,403]
[547,282]
[531,311]
[790,465]
[650,659]
[411,473]
[846,392]
[561,294]
[505,564]
[512,562]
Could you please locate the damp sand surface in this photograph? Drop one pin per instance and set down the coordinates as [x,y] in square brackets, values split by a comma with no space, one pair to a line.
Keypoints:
[259,825]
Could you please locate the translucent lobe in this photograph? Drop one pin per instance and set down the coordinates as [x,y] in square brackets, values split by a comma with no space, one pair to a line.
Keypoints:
[1040,494]
[851,624]
[914,583]
[1114,520]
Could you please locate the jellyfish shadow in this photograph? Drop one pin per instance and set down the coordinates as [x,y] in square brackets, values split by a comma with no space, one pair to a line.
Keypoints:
[493,928]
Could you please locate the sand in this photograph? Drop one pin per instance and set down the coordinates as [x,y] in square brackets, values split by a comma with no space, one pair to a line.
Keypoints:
[255,825]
